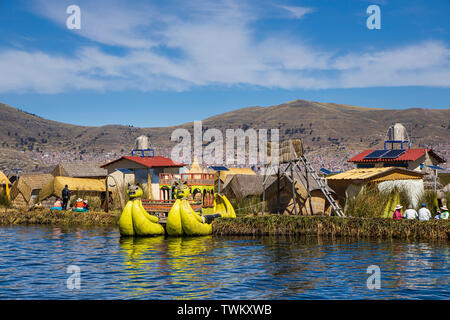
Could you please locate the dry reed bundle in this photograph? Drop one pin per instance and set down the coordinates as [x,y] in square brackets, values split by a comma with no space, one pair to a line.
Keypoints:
[287,150]
[333,226]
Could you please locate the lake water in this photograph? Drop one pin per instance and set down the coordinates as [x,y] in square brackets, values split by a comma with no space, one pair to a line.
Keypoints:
[34,261]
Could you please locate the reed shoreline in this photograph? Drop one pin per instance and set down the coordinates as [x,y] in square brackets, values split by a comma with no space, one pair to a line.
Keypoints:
[57,218]
[355,227]
[333,226]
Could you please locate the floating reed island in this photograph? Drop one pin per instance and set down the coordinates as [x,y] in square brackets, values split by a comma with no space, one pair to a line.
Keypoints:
[53,217]
[271,224]
[333,226]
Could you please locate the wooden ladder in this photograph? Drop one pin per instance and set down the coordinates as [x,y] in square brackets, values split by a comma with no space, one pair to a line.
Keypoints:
[323,187]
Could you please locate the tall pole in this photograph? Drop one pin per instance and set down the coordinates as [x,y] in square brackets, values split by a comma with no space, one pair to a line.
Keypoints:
[218,189]
[264,189]
[278,190]
[435,178]
[294,198]
[263,197]
[123,187]
[107,196]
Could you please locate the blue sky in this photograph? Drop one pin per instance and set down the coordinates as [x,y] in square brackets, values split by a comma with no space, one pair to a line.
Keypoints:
[159,63]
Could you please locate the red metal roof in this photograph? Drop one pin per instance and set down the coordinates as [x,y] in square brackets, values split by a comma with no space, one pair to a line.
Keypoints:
[409,155]
[157,161]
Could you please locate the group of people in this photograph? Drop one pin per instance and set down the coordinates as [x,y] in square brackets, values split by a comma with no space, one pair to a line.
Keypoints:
[61,204]
[423,214]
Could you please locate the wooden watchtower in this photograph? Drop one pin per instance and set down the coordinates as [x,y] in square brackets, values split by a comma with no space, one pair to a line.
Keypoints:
[287,161]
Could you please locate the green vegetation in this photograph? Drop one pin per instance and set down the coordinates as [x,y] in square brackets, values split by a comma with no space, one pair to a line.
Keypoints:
[46,216]
[250,205]
[332,226]
[371,203]
[4,200]
[430,199]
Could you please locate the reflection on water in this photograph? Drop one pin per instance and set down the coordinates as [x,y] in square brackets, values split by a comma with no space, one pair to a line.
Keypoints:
[34,261]
[157,262]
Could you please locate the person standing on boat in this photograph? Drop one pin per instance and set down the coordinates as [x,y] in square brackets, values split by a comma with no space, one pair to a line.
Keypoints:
[65,197]
[424,213]
[444,213]
[397,212]
[410,213]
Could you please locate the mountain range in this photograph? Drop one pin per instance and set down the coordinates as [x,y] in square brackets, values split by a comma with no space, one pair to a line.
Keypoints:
[327,129]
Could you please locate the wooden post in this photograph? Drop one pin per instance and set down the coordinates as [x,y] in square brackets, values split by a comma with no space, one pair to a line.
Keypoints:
[149,185]
[218,190]
[107,196]
[294,198]
[435,178]
[308,189]
[123,187]
[278,190]
[263,195]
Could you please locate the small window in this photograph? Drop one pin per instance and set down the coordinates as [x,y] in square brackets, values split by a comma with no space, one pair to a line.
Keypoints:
[397,165]
[366,165]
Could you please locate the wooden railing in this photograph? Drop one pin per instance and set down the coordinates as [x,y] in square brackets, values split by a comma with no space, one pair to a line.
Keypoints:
[166,205]
[202,179]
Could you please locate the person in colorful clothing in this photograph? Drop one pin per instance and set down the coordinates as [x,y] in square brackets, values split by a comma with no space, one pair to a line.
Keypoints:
[397,212]
[444,213]
[79,206]
[57,205]
[85,206]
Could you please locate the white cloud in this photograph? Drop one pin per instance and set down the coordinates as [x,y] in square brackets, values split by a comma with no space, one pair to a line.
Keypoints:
[298,12]
[423,64]
[43,73]
[110,22]
[211,43]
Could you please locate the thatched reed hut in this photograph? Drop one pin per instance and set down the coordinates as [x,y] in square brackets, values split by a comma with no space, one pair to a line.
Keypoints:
[79,170]
[242,186]
[225,176]
[93,190]
[25,190]
[314,204]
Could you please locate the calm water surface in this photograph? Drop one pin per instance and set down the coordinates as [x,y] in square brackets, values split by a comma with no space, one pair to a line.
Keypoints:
[34,262]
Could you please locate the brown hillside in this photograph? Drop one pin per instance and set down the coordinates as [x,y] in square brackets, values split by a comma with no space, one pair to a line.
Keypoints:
[324,127]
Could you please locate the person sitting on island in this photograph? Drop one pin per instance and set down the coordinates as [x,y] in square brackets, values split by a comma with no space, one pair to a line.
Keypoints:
[85,206]
[410,213]
[397,212]
[79,206]
[444,213]
[424,213]
[57,205]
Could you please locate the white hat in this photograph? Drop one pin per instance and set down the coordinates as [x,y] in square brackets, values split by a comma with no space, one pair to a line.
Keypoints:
[85,201]
[444,208]
[398,207]
[79,199]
